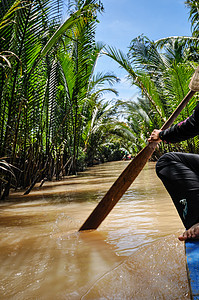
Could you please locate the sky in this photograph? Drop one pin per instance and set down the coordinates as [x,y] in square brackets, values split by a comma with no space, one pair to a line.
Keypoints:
[124,20]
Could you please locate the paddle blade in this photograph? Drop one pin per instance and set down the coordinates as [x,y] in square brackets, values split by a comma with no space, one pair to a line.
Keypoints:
[118,188]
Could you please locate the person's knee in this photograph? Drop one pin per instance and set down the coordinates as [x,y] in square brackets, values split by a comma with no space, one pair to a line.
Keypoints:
[163,161]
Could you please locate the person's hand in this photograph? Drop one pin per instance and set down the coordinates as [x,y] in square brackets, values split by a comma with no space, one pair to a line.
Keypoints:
[154,137]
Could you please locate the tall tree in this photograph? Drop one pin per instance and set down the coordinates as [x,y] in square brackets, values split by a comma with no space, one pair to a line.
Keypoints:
[34,85]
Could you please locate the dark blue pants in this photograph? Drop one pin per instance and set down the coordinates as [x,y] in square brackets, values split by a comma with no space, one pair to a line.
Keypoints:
[179,173]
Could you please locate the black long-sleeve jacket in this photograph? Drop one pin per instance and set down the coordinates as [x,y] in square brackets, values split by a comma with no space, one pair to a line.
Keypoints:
[183,130]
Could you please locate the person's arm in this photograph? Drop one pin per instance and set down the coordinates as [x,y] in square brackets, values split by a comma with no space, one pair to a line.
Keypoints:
[179,132]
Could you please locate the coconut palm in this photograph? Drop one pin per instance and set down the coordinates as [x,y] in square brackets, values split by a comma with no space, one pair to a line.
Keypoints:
[105,136]
[194,15]
[34,100]
[162,77]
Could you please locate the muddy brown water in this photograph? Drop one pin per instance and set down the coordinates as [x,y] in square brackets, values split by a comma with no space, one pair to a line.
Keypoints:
[135,253]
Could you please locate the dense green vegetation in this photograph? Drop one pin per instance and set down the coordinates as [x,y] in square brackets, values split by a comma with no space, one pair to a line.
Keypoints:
[54,117]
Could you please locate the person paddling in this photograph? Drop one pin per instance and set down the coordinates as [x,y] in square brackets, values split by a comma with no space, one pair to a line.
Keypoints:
[179,172]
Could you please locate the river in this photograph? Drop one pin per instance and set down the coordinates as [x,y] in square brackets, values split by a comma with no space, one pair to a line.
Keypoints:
[134,254]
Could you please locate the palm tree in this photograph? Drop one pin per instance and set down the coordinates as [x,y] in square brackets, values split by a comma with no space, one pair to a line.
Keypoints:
[34,100]
[162,77]
[194,15]
[104,135]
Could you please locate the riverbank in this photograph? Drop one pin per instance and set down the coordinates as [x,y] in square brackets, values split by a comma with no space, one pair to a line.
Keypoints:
[95,178]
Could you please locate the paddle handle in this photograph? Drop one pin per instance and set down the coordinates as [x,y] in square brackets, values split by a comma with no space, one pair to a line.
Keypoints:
[128,176]
[118,188]
[178,110]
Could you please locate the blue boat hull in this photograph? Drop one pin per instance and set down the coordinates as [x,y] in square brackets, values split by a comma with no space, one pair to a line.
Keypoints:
[192,256]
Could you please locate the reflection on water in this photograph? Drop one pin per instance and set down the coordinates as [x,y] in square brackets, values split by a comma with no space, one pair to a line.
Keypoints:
[134,254]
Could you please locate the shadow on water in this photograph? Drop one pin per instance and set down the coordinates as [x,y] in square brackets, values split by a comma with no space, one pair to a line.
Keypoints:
[134,254]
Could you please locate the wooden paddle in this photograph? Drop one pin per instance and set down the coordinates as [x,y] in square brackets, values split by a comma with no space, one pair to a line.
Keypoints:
[128,175]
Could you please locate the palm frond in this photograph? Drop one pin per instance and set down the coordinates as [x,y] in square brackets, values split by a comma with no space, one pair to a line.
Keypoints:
[194,15]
